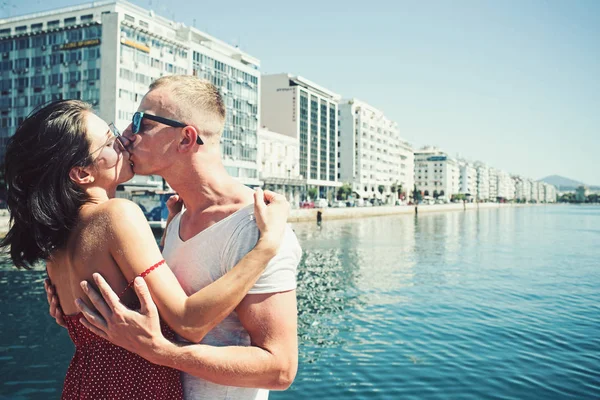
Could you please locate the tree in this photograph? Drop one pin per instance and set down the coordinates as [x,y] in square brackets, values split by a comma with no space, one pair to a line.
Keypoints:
[381,188]
[458,197]
[416,194]
[435,194]
[344,191]
[394,188]
[426,193]
[441,192]
[312,193]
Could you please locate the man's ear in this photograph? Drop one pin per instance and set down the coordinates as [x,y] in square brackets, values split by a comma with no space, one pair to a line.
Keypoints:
[80,176]
[188,138]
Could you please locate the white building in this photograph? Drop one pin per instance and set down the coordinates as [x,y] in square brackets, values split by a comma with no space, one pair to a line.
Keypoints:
[522,188]
[107,53]
[534,192]
[467,179]
[549,193]
[436,174]
[541,195]
[278,156]
[483,181]
[308,112]
[493,184]
[371,153]
[506,186]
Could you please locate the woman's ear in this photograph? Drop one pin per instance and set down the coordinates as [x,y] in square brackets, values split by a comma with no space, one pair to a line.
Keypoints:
[80,176]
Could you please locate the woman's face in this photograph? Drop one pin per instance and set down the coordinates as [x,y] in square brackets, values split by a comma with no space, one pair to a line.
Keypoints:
[111,159]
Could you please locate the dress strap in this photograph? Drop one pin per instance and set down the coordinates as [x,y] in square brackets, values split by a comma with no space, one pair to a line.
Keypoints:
[143,275]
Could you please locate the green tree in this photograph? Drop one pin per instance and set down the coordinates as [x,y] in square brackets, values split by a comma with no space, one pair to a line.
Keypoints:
[312,193]
[435,194]
[344,191]
[416,194]
[381,188]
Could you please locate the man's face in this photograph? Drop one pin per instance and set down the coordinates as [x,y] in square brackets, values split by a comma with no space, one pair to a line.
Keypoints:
[155,143]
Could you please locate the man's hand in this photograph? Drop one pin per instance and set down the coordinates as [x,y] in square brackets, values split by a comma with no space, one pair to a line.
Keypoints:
[271,211]
[54,306]
[138,332]
[174,205]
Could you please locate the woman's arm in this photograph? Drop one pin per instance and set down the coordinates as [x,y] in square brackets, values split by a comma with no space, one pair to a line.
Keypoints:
[134,249]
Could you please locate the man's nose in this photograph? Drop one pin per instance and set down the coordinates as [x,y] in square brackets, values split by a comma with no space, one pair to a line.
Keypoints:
[128,137]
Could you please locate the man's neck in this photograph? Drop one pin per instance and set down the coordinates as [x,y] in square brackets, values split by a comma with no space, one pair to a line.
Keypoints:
[202,188]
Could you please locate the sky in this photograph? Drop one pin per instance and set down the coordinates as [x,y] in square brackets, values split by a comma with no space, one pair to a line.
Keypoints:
[515,84]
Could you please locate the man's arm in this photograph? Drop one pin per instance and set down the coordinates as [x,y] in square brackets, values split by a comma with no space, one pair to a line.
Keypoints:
[271,320]
[272,360]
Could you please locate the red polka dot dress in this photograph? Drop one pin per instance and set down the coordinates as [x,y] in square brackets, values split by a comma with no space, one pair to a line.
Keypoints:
[101,370]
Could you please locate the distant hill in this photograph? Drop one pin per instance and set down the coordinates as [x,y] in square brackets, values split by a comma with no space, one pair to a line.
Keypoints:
[564,184]
[561,181]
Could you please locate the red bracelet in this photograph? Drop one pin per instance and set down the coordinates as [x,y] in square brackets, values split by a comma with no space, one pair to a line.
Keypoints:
[143,275]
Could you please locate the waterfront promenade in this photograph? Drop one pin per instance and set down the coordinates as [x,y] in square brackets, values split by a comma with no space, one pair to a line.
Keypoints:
[300,215]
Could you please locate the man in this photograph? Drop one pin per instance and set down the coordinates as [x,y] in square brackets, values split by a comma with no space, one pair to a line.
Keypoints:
[176,134]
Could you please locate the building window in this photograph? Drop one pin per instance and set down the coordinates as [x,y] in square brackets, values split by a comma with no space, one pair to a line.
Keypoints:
[6,46]
[70,21]
[22,63]
[38,41]
[129,18]
[23,43]
[87,18]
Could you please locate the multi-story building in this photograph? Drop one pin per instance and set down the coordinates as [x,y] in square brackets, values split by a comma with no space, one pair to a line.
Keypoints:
[541,194]
[581,193]
[308,112]
[372,156]
[506,186]
[278,156]
[107,53]
[534,192]
[549,193]
[467,180]
[483,181]
[436,174]
[522,188]
[493,185]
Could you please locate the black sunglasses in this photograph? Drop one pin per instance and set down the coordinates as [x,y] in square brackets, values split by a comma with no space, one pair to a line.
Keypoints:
[136,123]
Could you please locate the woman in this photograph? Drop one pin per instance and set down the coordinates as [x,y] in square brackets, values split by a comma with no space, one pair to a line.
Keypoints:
[63,166]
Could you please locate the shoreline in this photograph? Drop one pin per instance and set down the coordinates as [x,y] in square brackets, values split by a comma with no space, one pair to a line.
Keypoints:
[304,215]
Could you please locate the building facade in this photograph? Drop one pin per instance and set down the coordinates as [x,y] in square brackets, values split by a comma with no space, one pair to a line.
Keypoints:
[278,156]
[522,189]
[436,174]
[372,156]
[307,112]
[107,54]
[467,179]
[483,181]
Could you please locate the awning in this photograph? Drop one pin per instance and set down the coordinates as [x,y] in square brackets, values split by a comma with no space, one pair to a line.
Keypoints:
[360,194]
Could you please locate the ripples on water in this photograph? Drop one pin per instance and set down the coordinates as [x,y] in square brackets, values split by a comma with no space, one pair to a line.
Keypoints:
[490,304]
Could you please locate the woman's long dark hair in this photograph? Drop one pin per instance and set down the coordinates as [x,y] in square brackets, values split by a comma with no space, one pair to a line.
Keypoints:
[42,199]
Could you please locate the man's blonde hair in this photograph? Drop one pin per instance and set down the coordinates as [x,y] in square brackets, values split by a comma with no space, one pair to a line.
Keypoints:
[195,101]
